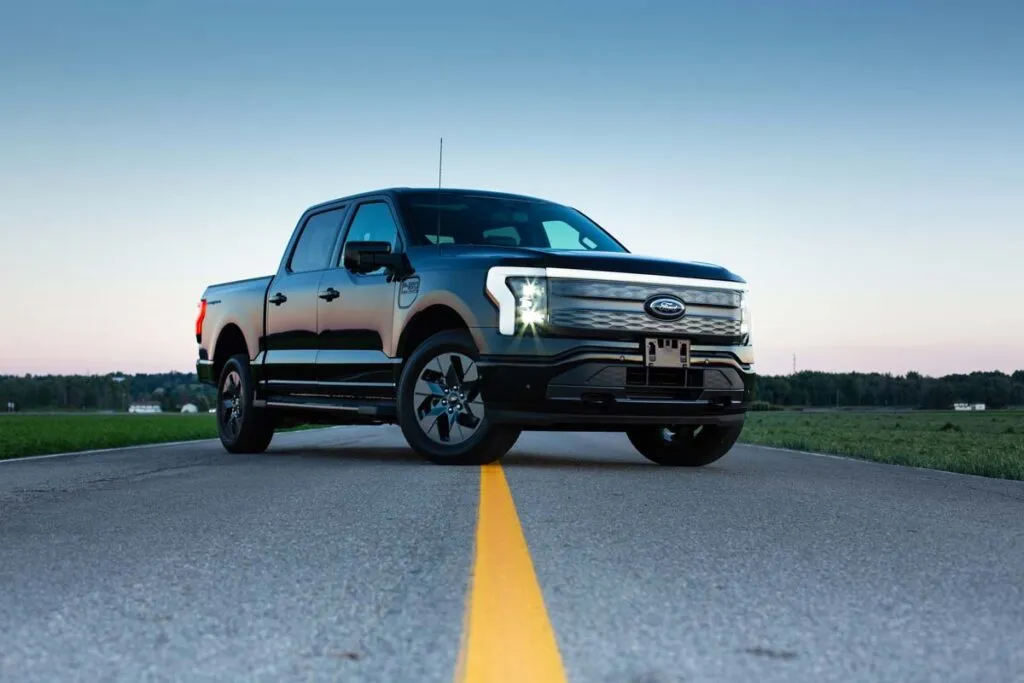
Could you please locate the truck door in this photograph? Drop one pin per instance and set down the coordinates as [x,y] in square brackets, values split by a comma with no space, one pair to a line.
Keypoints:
[290,342]
[356,313]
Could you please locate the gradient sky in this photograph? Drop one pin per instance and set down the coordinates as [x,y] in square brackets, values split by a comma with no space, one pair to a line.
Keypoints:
[860,163]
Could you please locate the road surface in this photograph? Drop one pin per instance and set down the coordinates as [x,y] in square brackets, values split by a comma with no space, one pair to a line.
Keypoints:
[340,556]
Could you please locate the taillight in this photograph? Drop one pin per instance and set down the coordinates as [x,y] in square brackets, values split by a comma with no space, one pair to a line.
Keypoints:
[199,321]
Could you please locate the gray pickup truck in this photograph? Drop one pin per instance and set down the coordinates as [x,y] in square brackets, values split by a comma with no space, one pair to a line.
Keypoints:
[467,317]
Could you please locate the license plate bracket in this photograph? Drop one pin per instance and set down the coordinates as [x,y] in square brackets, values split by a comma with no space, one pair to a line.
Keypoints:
[662,352]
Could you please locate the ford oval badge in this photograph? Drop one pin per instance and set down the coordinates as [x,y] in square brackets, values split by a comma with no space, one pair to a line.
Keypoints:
[664,308]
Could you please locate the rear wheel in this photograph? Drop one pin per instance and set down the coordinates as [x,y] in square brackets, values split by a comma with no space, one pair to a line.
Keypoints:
[441,410]
[241,427]
[685,445]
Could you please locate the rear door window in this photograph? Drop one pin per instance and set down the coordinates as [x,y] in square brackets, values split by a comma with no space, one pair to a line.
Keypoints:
[313,250]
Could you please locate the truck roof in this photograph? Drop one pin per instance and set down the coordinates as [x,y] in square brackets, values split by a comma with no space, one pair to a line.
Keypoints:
[395,191]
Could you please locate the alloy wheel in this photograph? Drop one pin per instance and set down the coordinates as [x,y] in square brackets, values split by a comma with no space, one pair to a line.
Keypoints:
[230,409]
[447,399]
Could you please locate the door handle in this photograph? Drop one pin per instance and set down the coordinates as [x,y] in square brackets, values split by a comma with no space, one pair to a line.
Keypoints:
[331,294]
[278,299]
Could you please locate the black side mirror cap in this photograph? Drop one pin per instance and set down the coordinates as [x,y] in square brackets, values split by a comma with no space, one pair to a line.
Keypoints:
[369,256]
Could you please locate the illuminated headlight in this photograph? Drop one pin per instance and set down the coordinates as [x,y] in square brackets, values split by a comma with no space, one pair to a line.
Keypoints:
[744,313]
[531,295]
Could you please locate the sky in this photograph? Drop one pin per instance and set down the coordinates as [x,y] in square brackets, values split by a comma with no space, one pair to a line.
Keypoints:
[859,162]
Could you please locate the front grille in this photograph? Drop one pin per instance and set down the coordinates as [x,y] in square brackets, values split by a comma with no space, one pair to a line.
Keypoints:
[593,305]
[631,321]
[630,291]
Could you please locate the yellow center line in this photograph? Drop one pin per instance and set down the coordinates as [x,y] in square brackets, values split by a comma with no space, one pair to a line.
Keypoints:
[508,636]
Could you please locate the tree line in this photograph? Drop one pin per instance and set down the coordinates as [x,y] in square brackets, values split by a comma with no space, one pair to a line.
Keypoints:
[855,389]
[111,392]
[172,390]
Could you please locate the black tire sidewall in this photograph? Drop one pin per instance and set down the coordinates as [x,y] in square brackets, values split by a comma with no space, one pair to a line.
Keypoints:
[490,441]
[713,443]
[252,429]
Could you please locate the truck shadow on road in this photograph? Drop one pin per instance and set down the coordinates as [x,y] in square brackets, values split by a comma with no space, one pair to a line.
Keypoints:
[530,459]
[536,459]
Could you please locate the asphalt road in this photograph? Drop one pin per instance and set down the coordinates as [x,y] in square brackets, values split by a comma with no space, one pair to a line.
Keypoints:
[340,556]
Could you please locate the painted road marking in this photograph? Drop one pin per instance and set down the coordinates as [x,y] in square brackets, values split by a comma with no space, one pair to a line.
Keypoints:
[508,636]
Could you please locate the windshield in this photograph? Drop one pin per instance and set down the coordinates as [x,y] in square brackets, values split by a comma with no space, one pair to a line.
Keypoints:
[473,219]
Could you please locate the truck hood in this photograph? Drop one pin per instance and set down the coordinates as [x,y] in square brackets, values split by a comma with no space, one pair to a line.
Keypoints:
[586,260]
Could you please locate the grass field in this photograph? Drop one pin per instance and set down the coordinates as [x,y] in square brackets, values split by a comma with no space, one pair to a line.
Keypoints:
[989,443]
[22,435]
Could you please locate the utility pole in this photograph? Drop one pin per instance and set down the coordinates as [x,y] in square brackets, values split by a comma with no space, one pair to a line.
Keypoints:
[794,363]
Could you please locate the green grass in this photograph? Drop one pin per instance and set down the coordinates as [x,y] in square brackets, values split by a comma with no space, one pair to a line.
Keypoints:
[989,443]
[24,435]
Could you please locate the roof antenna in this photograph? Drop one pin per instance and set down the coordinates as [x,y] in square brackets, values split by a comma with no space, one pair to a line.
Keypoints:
[440,160]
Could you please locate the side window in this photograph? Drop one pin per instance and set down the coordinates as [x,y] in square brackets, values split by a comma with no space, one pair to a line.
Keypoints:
[373,222]
[313,251]
[564,237]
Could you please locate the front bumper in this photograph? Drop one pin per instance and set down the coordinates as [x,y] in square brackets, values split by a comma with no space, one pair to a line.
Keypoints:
[588,384]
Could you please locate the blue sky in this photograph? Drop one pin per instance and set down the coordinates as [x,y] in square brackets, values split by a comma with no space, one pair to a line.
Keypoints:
[861,164]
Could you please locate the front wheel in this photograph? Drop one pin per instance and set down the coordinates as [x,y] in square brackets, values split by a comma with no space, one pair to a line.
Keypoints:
[441,409]
[685,445]
[241,427]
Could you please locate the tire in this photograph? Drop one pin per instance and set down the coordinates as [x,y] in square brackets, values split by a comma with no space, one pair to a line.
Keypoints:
[685,446]
[441,363]
[241,427]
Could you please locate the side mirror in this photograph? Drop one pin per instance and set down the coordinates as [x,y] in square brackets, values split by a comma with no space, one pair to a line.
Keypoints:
[369,256]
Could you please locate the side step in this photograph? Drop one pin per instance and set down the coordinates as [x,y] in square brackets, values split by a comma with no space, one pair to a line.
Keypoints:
[371,409]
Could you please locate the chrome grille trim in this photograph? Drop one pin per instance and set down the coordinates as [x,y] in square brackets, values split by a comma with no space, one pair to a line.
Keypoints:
[628,291]
[630,321]
[644,278]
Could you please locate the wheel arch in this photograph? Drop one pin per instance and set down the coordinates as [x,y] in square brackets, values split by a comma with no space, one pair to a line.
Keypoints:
[230,341]
[426,322]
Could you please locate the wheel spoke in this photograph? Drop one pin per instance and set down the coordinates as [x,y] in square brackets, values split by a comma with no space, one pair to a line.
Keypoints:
[428,387]
[455,373]
[428,418]
[444,366]
[471,388]
[445,427]
[462,432]
[468,420]
[424,406]
[232,425]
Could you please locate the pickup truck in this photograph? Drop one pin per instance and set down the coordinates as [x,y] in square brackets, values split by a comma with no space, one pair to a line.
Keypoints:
[466,317]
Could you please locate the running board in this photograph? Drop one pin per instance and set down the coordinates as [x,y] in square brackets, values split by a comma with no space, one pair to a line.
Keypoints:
[379,409]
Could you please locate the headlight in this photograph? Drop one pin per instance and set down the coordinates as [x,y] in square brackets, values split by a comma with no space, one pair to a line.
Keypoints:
[744,313]
[531,295]
[520,293]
